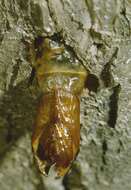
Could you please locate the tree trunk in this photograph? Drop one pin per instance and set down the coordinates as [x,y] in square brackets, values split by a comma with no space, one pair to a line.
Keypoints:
[98,33]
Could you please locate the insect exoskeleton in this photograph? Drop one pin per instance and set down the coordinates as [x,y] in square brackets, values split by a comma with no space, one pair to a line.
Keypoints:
[56,131]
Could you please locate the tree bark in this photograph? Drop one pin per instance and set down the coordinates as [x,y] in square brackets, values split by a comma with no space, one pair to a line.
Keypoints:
[98,33]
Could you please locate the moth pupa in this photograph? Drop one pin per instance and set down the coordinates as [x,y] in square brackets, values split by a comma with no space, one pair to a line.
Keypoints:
[56,130]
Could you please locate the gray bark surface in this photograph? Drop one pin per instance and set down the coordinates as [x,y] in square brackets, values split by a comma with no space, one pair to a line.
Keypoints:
[99,34]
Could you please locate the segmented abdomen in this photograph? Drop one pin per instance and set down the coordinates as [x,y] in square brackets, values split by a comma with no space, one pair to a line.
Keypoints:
[56,134]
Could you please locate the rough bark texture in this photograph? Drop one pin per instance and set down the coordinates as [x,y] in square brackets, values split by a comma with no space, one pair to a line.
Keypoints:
[98,32]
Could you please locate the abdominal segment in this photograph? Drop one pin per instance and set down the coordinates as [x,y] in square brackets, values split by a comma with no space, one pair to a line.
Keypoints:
[56,134]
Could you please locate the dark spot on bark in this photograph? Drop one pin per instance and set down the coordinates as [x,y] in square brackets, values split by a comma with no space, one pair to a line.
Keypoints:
[56,37]
[92,83]
[114,98]
[102,168]
[98,45]
[104,148]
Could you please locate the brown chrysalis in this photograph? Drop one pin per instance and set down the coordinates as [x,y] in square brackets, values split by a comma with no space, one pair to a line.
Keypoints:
[56,130]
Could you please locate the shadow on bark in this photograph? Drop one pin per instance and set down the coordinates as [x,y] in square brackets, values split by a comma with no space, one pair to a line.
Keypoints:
[17,109]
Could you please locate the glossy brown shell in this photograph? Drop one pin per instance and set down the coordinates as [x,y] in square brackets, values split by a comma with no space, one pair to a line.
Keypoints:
[56,134]
[56,130]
